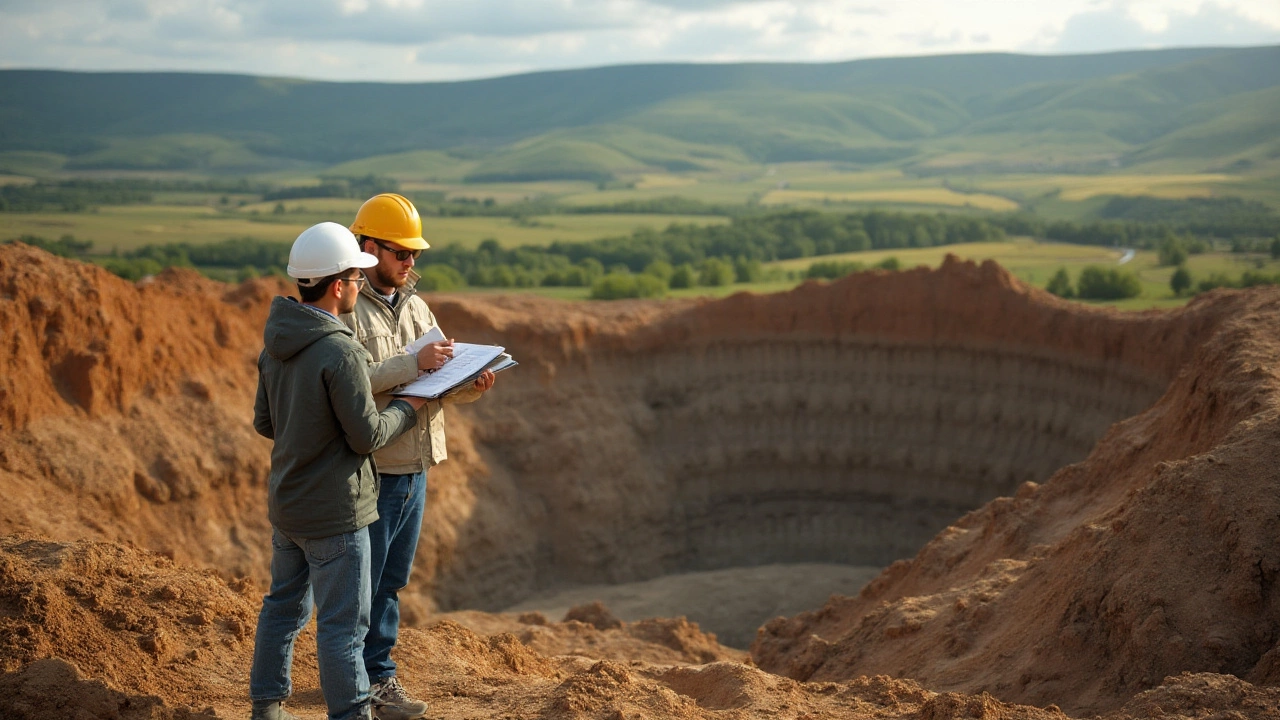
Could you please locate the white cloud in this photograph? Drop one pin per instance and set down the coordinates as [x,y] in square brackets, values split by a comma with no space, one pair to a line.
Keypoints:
[444,39]
[1125,25]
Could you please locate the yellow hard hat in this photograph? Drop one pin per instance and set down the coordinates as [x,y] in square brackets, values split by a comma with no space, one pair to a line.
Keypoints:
[393,218]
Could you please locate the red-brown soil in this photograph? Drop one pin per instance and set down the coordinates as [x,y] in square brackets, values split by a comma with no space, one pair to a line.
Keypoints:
[1136,581]
[1156,555]
[159,640]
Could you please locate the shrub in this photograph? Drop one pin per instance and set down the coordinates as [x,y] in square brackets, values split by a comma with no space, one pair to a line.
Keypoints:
[660,269]
[1181,280]
[132,268]
[1251,279]
[1215,280]
[616,286]
[439,278]
[1172,252]
[890,263]
[683,277]
[834,269]
[745,271]
[1097,283]
[66,246]
[715,272]
[1060,284]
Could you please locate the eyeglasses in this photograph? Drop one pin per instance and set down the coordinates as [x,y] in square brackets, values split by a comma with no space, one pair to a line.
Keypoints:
[359,281]
[401,255]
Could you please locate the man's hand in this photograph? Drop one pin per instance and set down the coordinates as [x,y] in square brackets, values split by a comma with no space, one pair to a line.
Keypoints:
[485,381]
[416,402]
[434,355]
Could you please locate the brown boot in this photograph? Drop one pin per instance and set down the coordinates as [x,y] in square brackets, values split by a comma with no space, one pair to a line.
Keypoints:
[270,710]
[392,702]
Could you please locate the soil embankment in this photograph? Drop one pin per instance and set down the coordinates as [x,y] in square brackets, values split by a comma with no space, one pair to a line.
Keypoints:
[1156,555]
[846,423]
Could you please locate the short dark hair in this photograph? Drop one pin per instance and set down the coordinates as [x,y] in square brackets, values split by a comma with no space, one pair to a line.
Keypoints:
[312,293]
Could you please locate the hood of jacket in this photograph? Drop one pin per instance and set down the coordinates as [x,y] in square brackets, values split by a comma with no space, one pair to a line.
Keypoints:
[293,327]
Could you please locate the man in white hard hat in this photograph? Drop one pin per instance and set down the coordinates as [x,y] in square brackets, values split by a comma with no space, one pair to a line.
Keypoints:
[388,316]
[315,402]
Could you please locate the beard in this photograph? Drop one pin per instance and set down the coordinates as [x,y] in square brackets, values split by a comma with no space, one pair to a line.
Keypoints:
[386,280]
[348,304]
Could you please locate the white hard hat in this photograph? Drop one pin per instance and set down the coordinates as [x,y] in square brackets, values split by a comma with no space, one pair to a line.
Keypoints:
[326,249]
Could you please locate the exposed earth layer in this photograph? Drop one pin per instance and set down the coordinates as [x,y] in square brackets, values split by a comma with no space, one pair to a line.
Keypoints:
[1093,492]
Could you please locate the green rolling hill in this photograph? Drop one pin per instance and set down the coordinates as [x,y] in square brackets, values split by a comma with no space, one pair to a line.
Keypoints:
[1192,106]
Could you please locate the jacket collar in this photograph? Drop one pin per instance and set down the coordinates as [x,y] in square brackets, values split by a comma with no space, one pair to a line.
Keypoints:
[408,289]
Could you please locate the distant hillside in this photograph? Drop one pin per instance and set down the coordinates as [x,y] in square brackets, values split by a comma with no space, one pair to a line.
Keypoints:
[589,124]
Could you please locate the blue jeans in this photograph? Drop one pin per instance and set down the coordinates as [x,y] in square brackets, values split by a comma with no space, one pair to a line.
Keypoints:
[335,572]
[394,538]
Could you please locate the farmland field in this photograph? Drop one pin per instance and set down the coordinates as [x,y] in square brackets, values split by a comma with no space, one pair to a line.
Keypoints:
[906,196]
[131,226]
[1030,261]
[1077,188]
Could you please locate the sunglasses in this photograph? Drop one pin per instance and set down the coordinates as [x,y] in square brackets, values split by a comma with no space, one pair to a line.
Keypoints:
[401,255]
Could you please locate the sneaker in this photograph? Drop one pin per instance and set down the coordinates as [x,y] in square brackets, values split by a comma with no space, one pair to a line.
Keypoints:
[271,710]
[392,702]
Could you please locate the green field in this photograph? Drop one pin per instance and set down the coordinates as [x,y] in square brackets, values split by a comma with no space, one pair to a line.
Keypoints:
[132,226]
[826,184]
[1030,261]
[1035,262]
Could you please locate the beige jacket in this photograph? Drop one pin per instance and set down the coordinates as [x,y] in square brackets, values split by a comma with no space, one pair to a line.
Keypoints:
[385,331]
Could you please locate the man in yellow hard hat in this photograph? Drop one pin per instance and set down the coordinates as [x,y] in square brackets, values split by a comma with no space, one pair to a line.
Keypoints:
[315,402]
[389,315]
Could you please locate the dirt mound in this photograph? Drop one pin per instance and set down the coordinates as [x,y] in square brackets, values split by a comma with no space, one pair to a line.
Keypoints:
[132,618]
[82,339]
[1193,696]
[1156,555]
[124,413]
[657,640]
[54,688]
[158,640]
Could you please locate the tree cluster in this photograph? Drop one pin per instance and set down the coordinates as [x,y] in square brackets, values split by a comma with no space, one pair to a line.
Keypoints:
[336,187]
[1247,224]
[1224,217]
[1096,283]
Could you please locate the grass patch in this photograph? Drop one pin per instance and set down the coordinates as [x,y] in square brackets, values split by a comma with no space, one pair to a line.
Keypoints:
[931,196]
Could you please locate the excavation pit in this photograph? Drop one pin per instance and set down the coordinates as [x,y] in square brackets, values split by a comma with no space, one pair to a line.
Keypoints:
[833,430]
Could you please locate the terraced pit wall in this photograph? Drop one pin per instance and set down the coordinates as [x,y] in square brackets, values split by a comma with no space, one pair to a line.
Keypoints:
[843,423]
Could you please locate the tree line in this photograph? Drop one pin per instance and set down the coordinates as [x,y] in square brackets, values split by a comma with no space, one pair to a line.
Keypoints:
[681,255]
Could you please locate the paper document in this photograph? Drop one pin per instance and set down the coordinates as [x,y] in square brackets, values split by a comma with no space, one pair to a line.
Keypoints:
[467,363]
[434,335]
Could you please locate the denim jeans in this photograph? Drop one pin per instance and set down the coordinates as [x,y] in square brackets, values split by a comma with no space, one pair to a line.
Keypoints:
[335,572]
[394,539]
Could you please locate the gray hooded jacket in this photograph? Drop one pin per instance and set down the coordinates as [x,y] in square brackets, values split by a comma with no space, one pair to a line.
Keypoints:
[314,401]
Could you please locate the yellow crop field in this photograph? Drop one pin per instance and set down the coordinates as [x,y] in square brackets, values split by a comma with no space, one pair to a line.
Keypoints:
[1075,188]
[1023,257]
[914,196]
[664,181]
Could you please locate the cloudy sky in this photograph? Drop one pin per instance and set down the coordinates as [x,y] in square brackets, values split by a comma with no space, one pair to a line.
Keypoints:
[406,40]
